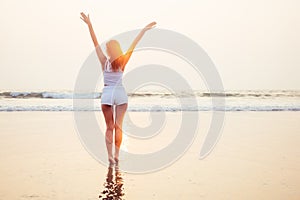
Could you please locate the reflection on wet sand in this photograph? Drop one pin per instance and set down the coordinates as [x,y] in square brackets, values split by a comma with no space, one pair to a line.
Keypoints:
[113,186]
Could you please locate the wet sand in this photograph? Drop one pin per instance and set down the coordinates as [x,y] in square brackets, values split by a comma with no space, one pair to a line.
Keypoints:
[257,157]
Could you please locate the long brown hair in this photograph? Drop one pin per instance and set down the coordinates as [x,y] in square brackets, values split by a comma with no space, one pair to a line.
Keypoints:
[116,54]
[117,63]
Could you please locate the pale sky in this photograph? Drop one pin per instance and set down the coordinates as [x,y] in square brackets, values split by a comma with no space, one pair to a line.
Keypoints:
[254,43]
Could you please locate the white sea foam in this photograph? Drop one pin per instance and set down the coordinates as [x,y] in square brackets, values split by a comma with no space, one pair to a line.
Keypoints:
[154,101]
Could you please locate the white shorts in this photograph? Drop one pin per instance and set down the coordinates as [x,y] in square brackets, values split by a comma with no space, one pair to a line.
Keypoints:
[114,95]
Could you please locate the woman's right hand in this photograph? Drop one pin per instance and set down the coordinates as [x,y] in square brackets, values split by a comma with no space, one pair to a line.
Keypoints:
[150,26]
[85,18]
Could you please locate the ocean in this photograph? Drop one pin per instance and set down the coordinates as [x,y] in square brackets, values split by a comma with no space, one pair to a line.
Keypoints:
[155,101]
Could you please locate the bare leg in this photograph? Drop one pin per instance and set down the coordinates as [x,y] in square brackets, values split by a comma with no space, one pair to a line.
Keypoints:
[109,120]
[120,112]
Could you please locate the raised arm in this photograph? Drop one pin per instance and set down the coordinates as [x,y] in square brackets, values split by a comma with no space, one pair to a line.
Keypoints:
[135,42]
[101,56]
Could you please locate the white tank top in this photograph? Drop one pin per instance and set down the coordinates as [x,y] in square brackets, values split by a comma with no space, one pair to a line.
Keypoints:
[111,78]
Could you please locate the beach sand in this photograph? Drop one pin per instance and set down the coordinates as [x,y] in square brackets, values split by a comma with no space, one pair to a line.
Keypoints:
[257,157]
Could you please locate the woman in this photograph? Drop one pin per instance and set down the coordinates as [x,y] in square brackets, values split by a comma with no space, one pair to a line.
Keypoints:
[113,92]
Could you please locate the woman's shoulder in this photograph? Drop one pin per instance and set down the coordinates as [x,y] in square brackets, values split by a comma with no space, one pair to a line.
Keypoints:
[107,65]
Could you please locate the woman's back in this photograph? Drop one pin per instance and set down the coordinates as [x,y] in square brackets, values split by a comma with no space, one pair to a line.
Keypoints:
[112,78]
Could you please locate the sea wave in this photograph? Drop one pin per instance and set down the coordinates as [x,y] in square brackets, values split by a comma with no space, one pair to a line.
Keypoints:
[151,109]
[96,95]
[156,101]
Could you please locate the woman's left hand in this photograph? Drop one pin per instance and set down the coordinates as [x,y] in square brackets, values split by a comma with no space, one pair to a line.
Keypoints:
[85,18]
